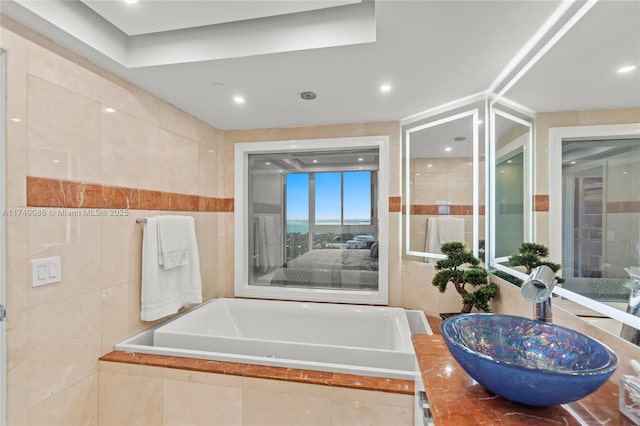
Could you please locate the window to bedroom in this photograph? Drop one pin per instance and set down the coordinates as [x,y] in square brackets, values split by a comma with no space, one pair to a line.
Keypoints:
[312,224]
[337,216]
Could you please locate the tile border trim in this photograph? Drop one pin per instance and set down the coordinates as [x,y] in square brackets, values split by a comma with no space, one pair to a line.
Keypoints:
[540,203]
[454,209]
[49,192]
[395,204]
[399,386]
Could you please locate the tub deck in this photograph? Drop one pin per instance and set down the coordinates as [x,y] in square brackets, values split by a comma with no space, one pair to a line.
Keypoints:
[314,377]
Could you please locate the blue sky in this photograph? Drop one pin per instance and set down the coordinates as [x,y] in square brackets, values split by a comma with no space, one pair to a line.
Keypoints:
[357,196]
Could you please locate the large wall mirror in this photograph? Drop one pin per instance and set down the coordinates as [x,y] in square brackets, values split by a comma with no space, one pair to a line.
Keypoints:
[511,138]
[584,88]
[444,183]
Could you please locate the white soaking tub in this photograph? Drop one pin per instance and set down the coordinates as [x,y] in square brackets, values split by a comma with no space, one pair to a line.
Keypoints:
[353,339]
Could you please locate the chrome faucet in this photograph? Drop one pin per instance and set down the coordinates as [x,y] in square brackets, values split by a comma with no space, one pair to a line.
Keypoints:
[537,289]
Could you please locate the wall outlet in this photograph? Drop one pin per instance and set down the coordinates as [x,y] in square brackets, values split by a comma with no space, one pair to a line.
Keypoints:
[45,271]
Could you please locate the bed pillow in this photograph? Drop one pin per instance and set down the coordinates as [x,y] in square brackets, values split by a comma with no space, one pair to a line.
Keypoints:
[374,250]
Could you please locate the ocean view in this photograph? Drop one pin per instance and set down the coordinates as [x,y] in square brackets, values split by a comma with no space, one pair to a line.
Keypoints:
[302,226]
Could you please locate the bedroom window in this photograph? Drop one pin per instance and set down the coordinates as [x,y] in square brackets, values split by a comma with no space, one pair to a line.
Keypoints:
[337,216]
[311,227]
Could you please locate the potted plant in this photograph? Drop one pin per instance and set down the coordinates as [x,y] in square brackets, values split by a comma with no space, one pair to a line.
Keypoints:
[530,255]
[461,269]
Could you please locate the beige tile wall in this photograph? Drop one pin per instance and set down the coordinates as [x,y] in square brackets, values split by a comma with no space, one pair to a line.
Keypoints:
[137,395]
[55,333]
[442,179]
[61,130]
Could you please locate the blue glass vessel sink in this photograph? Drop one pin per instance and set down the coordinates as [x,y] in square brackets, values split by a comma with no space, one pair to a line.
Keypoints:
[528,361]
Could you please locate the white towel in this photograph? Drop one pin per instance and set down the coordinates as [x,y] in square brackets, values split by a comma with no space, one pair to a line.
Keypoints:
[260,244]
[432,243]
[173,241]
[271,241]
[265,243]
[450,229]
[163,291]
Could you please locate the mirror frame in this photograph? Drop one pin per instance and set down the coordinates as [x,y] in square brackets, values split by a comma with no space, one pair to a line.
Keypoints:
[528,170]
[474,114]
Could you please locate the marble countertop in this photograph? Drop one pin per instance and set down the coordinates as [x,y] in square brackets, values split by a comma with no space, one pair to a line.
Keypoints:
[457,399]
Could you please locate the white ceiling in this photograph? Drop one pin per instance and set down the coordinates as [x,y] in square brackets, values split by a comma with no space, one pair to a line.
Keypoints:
[431,52]
[133,19]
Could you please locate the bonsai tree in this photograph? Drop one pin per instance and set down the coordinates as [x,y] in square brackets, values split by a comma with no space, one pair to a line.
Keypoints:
[460,268]
[531,256]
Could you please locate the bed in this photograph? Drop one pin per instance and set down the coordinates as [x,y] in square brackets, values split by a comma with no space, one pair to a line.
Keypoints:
[341,268]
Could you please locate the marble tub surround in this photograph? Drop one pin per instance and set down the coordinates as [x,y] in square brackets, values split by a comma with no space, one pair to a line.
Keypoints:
[404,387]
[134,394]
[47,192]
[456,398]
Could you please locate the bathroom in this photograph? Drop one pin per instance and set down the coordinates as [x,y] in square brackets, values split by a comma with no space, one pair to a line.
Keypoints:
[77,133]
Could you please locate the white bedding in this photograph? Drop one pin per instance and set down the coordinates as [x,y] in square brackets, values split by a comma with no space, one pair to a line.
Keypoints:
[350,268]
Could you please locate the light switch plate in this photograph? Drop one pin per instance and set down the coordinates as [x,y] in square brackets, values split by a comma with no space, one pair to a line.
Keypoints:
[45,271]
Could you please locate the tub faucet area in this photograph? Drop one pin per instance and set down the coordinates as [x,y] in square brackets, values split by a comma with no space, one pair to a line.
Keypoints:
[538,289]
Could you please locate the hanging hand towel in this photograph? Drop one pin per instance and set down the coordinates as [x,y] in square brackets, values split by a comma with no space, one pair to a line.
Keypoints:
[164,291]
[432,243]
[173,245]
[450,229]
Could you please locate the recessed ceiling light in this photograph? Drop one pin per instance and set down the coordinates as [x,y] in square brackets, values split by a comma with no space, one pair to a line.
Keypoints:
[210,150]
[417,174]
[238,99]
[359,168]
[480,122]
[429,165]
[308,95]
[131,1]
[448,149]
[625,173]
[315,161]
[384,88]
[55,161]
[16,120]
[572,162]
[626,69]
[267,163]
[501,171]
[360,159]
[109,109]
[509,161]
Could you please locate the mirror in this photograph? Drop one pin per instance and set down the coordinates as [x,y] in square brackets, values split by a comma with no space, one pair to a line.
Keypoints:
[444,181]
[585,92]
[511,194]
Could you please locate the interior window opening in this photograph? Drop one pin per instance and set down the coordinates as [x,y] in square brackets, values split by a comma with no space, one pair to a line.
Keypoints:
[313,220]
